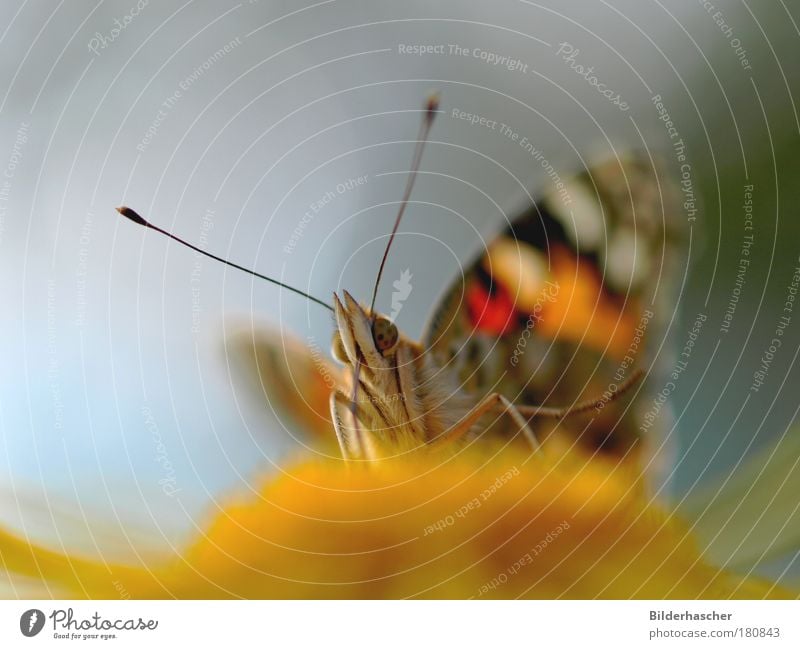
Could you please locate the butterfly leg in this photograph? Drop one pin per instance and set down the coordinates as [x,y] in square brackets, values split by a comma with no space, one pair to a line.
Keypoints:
[342,417]
[354,441]
[582,407]
[489,403]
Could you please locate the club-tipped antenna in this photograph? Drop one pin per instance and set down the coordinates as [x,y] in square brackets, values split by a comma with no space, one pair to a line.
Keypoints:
[128,213]
[431,108]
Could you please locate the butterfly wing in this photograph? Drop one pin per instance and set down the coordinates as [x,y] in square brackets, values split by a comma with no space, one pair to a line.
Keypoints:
[570,299]
[295,378]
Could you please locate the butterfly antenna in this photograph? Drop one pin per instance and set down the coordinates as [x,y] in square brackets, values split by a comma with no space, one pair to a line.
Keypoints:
[431,108]
[130,214]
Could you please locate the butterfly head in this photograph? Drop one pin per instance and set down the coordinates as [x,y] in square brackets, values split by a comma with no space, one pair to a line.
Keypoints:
[385,334]
[360,337]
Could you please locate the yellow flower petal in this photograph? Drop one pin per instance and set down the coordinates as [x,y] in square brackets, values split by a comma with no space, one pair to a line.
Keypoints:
[513,526]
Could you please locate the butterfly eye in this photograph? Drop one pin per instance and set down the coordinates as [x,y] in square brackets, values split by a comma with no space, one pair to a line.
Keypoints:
[384,334]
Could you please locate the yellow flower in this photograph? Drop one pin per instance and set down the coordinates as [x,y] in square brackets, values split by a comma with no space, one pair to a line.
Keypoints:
[515,525]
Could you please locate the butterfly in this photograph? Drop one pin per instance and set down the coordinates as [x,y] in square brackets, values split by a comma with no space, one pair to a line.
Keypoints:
[554,311]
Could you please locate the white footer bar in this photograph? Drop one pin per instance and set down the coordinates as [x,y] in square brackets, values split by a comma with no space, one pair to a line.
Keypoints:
[406,625]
